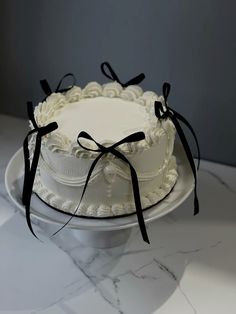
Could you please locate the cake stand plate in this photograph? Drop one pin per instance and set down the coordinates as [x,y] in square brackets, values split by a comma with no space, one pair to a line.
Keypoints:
[99,232]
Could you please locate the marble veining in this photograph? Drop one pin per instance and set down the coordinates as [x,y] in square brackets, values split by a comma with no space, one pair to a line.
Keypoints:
[188,256]
[172,276]
[220,180]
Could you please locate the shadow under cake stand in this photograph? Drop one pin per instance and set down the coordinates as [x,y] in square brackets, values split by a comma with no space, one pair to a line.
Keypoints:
[99,233]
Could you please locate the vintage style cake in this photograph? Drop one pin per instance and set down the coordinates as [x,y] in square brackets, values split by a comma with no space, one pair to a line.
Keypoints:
[108,113]
[103,151]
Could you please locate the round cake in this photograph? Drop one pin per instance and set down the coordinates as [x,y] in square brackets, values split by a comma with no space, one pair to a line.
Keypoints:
[108,113]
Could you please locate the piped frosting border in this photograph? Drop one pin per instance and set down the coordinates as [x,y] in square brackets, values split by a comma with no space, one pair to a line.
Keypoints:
[104,210]
[46,112]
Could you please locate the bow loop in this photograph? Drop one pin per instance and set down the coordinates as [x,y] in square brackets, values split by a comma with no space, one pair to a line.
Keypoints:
[47,89]
[61,90]
[135,137]
[108,71]
[166,90]
[111,75]
[85,135]
[44,130]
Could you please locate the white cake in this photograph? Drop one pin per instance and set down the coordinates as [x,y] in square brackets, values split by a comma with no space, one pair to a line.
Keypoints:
[108,113]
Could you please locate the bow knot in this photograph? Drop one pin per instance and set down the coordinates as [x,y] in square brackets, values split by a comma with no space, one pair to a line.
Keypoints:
[105,66]
[162,112]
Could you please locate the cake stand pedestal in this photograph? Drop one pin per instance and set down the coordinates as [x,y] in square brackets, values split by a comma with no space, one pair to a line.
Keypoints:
[102,239]
[99,233]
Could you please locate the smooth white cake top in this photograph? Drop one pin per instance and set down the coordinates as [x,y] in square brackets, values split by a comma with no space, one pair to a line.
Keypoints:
[105,119]
[108,112]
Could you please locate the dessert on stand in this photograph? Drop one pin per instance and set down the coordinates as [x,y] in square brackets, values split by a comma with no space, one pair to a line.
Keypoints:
[102,159]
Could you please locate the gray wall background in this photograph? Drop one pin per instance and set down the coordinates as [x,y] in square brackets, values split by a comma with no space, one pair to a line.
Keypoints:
[190,43]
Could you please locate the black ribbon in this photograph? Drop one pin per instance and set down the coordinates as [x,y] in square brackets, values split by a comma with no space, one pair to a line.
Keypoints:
[138,136]
[164,112]
[30,170]
[47,89]
[105,66]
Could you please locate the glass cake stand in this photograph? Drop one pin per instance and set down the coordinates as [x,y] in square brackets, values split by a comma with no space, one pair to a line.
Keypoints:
[99,233]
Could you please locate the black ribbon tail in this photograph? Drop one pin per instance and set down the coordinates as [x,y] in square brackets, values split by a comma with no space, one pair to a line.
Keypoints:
[30,182]
[190,159]
[82,195]
[134,179]
[181,118]
[26,153]
[138,205]
[136,194]
[30,170]
[29,177]
[174,117]
[27,166]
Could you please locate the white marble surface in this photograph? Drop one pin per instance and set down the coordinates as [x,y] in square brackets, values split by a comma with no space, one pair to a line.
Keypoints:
[190,266]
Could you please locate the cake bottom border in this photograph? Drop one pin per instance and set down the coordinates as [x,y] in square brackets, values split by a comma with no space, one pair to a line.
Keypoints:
[105,217]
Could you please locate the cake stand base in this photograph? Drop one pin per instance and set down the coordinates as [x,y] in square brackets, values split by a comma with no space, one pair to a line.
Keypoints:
[102,239]
[99,233]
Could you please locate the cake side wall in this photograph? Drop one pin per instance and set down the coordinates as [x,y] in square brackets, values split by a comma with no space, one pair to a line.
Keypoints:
[64,164]
[109,192]
[102,199]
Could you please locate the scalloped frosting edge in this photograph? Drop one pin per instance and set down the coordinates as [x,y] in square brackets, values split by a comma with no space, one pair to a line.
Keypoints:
[46,112]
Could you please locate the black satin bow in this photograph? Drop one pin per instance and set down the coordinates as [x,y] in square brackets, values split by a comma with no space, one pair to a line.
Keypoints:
[47,89]
[164,112]
[30,170]
[138,136]
[113,76]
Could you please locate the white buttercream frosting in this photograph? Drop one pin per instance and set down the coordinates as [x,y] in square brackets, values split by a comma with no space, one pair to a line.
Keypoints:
[64,138]
[108,113]
[103,118]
